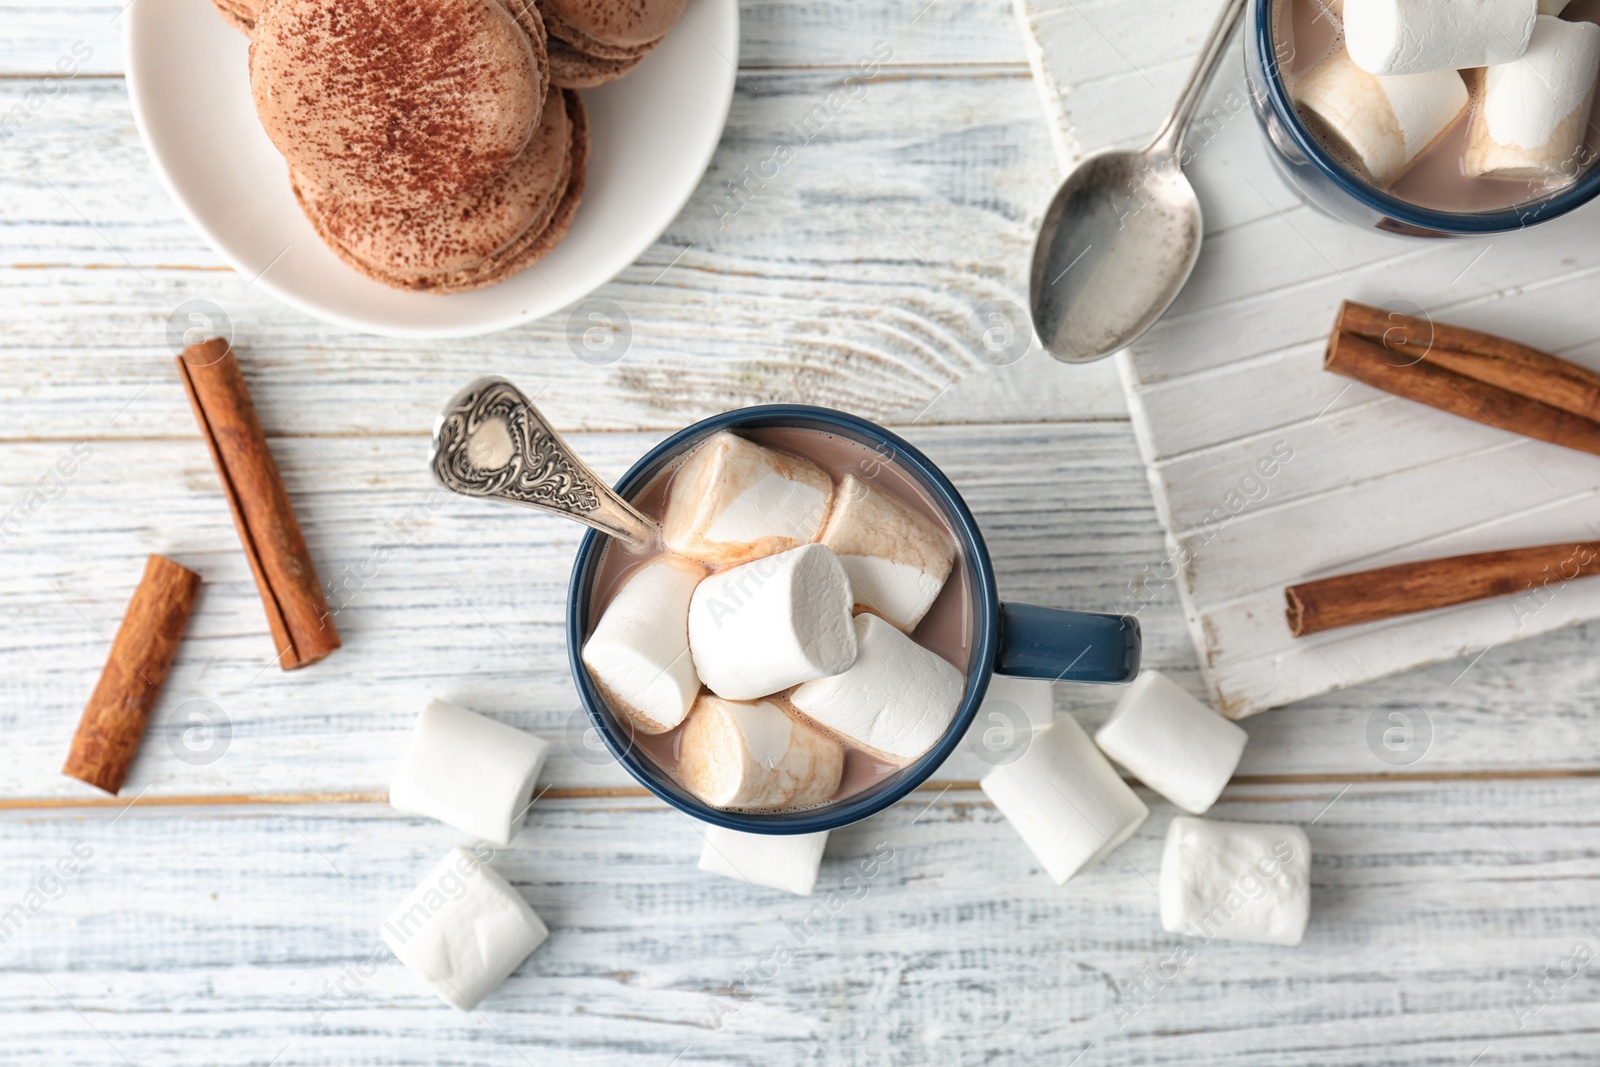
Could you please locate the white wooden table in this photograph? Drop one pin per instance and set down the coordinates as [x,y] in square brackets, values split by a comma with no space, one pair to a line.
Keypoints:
[229,915]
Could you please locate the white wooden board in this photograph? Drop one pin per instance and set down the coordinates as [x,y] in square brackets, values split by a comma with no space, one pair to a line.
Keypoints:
[1232,376]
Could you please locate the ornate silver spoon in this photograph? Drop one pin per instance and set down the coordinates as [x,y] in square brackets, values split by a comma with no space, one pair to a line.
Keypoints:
[490,442]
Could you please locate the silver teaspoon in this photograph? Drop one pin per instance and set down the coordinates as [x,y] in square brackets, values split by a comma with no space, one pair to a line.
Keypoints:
[1122,234]
[490,442]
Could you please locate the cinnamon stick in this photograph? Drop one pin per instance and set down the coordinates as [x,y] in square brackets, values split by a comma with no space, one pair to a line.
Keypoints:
[1468,373]
[1485,357]
[1406,588]
[297,611]
[146,642]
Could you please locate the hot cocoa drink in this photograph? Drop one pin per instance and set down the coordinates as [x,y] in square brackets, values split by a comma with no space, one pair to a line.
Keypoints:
[800,632]
[1450,106]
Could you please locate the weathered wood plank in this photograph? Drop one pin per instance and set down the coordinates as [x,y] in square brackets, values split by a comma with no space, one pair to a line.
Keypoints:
[439,596]
[1231,337]
[238,936]
[435,595]
[1108,73]
[775,33]
[857,277]
[1461,283]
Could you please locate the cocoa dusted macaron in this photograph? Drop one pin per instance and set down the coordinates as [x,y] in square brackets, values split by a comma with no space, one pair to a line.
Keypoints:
[527,16]
[479,239]
[596,41]
[241,14]
[399,104]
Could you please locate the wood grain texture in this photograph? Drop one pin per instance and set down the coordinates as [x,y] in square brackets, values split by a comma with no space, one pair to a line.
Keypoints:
[861,275]
[207,934]
[1269,471]
[444,597]
[774,33]
[436,596]
[1434,906]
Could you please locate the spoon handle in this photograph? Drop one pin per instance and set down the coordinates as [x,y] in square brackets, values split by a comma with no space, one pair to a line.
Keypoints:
[491,442]
[1170,138]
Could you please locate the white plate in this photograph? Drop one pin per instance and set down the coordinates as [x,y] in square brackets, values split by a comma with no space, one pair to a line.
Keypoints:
[652,134]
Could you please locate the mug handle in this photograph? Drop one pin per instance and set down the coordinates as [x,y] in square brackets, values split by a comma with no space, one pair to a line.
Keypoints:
[1067,646]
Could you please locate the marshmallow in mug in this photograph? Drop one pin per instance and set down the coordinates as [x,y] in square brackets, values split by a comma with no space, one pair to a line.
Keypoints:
[463,930]
[1533,117]
[897,558]
[1064,800]
[788,862]
[1240,881]
[763,626]
[753,756]
[469,771]
[1381,123]
[896,700]
[1420,36]
[733,500]
[1171,742]
[639,651]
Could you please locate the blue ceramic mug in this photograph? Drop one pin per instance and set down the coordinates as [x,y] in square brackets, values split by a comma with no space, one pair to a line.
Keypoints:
[1318,178]
[1015,639]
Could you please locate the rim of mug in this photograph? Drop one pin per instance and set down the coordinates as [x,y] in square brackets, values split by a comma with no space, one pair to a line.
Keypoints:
[984,597]
[1456,223]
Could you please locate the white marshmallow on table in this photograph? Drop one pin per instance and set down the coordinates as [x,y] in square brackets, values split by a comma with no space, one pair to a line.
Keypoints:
[777,861]
[1419,36]
[763,626]
[1171,742]
[1381,124]
[1534,113]
[1035,697]
[1013,710]
[639,651]
[469,771]
[1065,801]
[463,930]
[897,558]
[897,699]
[754,756]
[1240,881]
[734,500]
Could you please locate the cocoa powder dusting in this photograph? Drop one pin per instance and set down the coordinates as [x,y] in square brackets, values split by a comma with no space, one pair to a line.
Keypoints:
[402,104]
[453,235]
[611,29]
